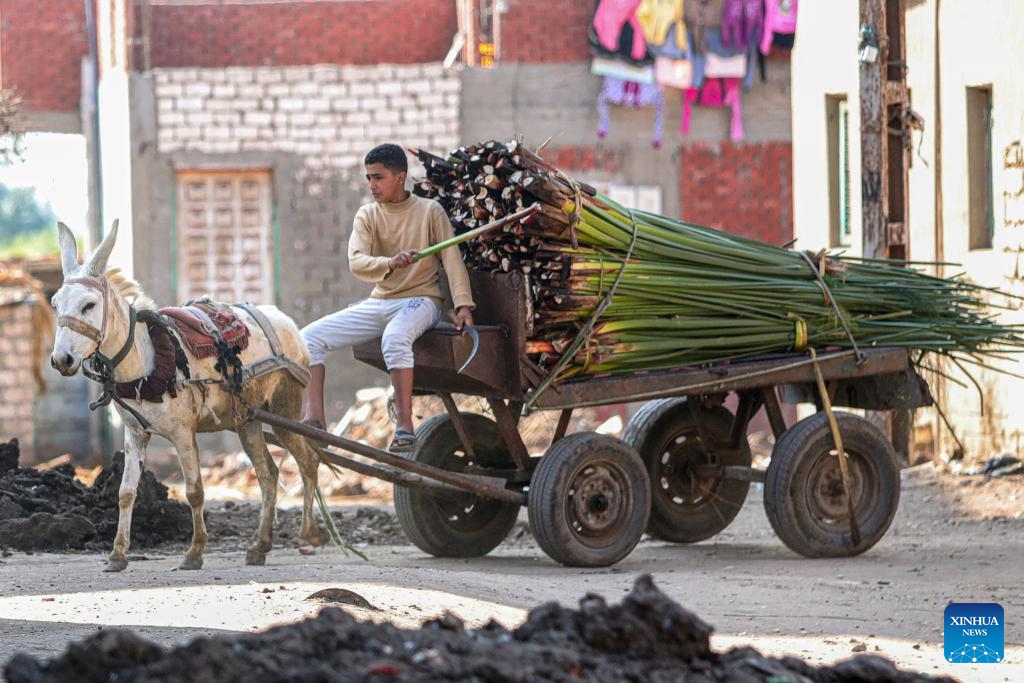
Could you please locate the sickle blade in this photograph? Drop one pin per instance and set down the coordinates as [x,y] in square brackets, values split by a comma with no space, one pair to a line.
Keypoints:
[475,336]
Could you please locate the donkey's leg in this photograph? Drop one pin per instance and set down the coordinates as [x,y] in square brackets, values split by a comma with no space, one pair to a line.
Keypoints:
[255,446]
[135,443]
[188,455]
[309,464]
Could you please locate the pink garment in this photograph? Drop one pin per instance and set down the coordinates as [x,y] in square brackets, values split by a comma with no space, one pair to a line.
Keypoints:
[716,92]
[610,17]
[779,17]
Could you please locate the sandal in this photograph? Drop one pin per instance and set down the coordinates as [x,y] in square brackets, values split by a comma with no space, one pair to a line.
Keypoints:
[404,441]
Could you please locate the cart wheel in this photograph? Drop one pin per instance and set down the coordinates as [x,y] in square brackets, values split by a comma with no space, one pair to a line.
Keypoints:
[803,491]
[589,500]
[460,525]
[687,505]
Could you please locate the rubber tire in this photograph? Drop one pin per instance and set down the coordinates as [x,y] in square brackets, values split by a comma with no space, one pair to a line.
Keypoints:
[475,525]
[650,431]
[798,466]
[553,518]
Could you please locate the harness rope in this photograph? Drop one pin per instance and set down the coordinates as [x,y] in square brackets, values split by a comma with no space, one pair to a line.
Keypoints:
[829,299]
[837,437]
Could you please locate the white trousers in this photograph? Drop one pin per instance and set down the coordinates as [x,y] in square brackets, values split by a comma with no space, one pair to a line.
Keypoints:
[398,322]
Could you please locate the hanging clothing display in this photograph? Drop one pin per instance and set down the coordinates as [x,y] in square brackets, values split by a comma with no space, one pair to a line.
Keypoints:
[716,92]
[630,94]
[663,28]
[779,24]
[708,49]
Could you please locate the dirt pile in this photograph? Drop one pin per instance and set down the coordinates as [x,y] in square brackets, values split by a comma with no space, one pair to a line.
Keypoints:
[51,510]
[647,637]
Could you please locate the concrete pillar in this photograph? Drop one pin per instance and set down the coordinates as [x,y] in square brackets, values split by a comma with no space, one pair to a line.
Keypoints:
[114,129]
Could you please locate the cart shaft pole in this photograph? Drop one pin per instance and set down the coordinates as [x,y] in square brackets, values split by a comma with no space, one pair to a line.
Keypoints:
[459,481]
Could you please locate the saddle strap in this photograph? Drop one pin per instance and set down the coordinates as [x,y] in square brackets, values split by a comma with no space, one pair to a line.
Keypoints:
[264,323]
[206,320]
[278,359]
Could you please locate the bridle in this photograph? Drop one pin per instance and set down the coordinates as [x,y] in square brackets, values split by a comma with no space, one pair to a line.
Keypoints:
[79,326]
[98,335]
[97,366]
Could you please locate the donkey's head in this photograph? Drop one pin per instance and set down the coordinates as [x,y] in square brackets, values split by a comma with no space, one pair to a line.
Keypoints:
[82,303]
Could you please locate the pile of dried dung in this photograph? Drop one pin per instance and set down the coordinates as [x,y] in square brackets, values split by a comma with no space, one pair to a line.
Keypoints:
[647,637]
[51,510]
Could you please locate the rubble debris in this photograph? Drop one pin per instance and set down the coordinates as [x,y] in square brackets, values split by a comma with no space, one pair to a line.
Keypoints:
[647,637]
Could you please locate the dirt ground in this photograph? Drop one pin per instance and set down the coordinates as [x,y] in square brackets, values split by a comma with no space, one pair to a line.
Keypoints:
[955,538]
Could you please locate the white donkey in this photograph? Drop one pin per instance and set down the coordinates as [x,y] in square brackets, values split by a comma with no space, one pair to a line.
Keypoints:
[97,313]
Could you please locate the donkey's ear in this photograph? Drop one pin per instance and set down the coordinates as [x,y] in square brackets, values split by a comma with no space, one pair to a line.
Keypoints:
[68,249]
[98,262]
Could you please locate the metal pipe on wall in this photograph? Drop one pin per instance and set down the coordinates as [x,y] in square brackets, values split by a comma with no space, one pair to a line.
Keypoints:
[96,212]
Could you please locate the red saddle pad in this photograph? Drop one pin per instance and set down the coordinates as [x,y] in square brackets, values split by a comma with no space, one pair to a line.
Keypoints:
[231,328]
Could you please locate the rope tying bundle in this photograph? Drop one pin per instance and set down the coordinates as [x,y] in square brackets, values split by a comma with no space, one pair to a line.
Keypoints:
[799,332]
[830,300]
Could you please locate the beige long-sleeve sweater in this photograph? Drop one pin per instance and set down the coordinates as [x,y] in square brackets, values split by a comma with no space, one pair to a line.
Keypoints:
[381,230]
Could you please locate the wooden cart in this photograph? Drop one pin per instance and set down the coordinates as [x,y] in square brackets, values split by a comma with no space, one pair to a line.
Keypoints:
[681,470]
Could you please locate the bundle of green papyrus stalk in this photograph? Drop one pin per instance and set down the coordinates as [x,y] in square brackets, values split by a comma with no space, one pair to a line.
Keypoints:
[618,290]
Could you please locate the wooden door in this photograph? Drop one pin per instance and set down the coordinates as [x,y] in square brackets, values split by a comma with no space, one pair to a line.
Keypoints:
[224,236]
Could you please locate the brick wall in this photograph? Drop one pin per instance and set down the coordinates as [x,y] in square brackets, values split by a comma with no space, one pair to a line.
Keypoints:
[546,31]
[42,45]
[745,188]
[584,158]
[330,115]
[17,388]
[293,33]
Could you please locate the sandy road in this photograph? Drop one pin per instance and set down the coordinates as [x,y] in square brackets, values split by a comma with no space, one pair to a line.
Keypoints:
[744,582]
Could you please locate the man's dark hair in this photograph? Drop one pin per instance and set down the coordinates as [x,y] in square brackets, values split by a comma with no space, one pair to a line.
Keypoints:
[391,156]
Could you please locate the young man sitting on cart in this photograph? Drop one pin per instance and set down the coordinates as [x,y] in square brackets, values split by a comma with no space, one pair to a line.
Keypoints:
[406,299]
